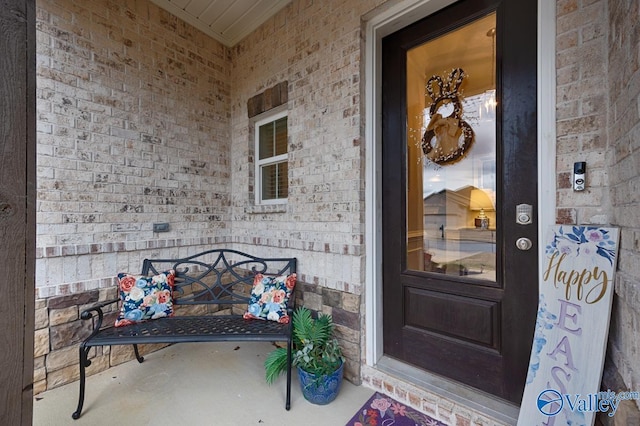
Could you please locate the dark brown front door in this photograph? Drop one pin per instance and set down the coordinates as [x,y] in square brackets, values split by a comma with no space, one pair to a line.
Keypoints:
[459,162]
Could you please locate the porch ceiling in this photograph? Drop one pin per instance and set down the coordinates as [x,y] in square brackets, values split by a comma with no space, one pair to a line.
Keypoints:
[227,21]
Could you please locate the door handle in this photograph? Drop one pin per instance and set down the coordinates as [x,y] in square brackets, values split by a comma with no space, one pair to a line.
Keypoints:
[523,243]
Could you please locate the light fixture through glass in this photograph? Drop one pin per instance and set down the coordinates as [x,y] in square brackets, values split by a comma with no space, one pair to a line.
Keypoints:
[479,200]
[489,101]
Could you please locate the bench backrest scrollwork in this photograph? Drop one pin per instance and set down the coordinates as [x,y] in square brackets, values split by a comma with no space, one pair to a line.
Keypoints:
[218,276]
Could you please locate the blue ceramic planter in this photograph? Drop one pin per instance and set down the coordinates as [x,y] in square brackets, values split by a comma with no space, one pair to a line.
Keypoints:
[323,390]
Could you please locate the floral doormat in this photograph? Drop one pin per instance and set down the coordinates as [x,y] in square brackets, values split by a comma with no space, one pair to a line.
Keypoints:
[381,410]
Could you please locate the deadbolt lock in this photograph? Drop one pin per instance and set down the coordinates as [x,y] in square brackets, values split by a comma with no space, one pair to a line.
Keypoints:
[524,243]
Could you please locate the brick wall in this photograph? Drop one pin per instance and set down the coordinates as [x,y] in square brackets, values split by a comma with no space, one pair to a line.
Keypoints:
[315,47]
[599,122]
[582,109]
[624,181]
[133,128]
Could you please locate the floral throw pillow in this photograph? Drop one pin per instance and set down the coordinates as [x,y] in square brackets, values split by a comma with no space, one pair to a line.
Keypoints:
[269,298]
[145,298]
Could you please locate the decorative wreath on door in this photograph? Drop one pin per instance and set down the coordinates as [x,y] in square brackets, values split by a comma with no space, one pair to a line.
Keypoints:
[446,139]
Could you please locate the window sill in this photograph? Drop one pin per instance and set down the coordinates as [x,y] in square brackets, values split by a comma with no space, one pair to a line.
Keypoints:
[266,208]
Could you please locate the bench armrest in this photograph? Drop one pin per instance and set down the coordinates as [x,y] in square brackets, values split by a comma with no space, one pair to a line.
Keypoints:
[87,315]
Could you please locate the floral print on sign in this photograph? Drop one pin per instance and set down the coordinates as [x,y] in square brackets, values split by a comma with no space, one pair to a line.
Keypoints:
[544,321]
[385,411]
[145,298]
[269,298]
[583,240]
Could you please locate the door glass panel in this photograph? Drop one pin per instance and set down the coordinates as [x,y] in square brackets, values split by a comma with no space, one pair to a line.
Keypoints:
[451,149]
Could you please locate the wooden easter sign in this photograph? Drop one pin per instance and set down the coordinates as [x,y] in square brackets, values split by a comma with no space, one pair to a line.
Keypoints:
[572,324]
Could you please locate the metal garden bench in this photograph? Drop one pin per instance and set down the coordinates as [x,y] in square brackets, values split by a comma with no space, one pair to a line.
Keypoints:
[211,293]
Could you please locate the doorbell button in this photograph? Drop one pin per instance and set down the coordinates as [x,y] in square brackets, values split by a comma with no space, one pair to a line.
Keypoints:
[579,172]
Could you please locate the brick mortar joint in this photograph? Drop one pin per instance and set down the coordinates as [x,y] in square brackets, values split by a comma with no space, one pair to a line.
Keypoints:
[48,252]
[356,250]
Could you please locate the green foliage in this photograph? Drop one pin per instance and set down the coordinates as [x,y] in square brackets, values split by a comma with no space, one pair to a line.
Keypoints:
[275,364]
[315,349]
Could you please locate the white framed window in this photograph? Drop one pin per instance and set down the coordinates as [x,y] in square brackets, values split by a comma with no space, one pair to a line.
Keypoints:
[272,159]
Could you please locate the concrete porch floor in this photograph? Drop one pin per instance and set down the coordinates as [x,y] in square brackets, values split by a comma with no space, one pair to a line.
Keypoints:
[194,384]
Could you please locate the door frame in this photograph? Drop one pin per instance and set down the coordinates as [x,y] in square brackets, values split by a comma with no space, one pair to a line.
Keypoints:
[380,23]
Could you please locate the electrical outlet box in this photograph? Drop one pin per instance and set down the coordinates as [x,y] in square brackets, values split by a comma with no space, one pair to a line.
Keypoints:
[161,227]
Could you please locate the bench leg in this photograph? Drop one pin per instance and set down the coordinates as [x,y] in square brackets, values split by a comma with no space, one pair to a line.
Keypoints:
[289,361]
[138,357]
[84,362]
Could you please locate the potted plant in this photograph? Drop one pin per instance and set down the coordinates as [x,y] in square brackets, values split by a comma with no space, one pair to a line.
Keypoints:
[316,355]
